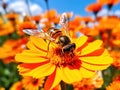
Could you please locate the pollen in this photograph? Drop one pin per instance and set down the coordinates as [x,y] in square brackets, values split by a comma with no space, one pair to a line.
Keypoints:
[61,59]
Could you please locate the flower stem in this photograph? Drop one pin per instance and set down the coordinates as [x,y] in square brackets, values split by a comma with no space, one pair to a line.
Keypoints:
[63,85]
[28,6]
[47,6]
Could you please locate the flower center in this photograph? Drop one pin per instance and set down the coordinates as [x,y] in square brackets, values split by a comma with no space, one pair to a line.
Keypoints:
[35,81]
[61,59]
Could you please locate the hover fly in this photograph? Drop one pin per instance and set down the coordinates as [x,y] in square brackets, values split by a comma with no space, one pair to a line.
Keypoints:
[59,36]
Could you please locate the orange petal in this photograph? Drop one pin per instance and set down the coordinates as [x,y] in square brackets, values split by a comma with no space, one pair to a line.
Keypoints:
[57,78]
[50,81]
[33,65]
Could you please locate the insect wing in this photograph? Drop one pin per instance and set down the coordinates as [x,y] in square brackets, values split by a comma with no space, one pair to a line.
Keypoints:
[36,33]
[64,24]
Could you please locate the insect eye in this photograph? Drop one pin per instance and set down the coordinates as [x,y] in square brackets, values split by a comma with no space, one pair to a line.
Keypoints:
[64,40]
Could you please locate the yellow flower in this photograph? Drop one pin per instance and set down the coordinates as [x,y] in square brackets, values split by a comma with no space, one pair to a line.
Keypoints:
[69,67]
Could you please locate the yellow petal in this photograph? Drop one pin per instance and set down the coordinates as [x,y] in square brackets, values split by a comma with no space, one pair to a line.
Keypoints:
[95,66]
[86,73]
[103,59]
[69,76]
[32,47]
[34,53]
[41,71]
[29,59]
[91,47]
[39,42]
[80,41]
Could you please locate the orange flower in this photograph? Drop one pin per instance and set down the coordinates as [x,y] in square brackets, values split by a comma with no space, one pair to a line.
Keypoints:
[115,85]
[74,26]
[84,84]
[89,31]
[116,58]
[17,86]
[87,19]
[57,65]
[108,23]
[116,30]
[6,28]
[89,83]
[36,18]
[111,2]
[74,23]
[52,16]
[25,25]
[10,48]
[94,7]
[12,15]
[30,83]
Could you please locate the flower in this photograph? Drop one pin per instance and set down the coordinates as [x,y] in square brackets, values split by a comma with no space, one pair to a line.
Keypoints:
[17,86]
[10,48]
[36,18]
[52,16]
[94,7]
[30,83]
[69,67]
[89,83]
[116,58]
[6,28]
[12,15]
[108,23]
[26,25]
[115,85]
[108,1]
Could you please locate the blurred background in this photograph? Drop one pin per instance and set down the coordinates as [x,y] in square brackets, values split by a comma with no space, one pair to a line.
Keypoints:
[97,19]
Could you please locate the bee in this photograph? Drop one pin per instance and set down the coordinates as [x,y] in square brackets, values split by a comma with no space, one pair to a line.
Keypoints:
[58,36]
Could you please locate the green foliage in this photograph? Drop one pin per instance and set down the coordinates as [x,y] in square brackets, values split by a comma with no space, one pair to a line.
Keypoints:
[8,74]
[108,76]
[13,36]
[3,39]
